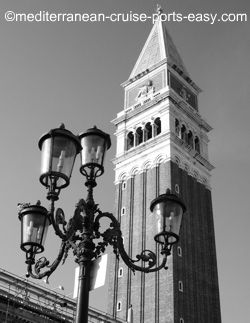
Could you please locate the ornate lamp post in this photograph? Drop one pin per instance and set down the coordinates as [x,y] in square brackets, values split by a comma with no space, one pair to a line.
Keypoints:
[59,148]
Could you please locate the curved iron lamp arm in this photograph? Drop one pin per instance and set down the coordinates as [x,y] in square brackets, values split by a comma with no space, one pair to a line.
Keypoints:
[57,218]
[68,240]
[42,263]
[113,236]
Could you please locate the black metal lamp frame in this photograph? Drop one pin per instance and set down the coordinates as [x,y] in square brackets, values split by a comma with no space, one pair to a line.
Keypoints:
[79,234]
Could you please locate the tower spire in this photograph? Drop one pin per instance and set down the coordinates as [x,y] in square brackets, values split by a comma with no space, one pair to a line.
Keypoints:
[158,47]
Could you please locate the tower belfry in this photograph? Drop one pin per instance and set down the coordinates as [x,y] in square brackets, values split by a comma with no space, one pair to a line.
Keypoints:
[162,142]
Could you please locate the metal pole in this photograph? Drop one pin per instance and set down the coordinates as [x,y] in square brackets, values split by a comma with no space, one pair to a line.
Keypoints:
[83,292]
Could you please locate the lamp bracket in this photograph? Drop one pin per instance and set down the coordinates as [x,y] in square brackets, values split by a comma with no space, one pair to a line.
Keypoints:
[42,263]
[80,231]
[113,236]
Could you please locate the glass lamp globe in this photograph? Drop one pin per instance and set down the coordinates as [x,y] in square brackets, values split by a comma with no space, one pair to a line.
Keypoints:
[59,149]
[94,143]
[168,210]
[34,227]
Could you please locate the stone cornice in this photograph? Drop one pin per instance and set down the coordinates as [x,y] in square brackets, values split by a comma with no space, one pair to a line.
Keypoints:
[188,110]
[140,75]
[133,112]
[190,84]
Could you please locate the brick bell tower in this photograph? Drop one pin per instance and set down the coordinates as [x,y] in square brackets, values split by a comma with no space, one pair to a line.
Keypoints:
[162,143]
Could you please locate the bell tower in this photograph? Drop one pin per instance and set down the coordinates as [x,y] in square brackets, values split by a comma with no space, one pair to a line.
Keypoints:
[162,142]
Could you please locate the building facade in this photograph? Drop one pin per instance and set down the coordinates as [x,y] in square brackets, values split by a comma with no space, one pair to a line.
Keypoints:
[22,301]
[162,142]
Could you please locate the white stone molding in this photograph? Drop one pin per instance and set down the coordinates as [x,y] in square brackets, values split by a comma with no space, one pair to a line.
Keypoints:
[159,160]
[122,177]
[146,165]
[135,170]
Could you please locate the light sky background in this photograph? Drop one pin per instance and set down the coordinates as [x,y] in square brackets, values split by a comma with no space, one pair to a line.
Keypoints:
[71,73]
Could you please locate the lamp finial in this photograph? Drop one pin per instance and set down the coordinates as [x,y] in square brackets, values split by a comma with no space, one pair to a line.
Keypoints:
[168,191]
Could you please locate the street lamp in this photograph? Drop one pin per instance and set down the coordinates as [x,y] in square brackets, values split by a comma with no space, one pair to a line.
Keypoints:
[59,148]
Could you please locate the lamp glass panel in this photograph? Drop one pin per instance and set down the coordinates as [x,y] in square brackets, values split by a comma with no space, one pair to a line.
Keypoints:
[58,156]
[63,157]
[35,227]
[46,155]
[93,149]
[168,217]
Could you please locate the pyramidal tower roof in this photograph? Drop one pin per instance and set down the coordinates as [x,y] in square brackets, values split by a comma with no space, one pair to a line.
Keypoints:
[159,46]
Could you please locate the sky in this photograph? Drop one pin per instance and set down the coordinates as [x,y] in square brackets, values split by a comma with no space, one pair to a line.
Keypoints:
[53,72]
